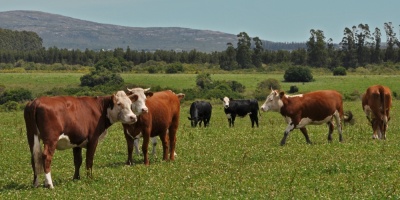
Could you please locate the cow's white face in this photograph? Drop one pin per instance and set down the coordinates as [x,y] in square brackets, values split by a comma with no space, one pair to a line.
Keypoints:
[138,98]
[121,111]
[273,102]
[225,102]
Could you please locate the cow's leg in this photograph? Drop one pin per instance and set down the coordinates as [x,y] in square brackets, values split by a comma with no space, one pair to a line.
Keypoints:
[36,157]
[330,127]
[145,146]
[305,133]
[154,142]
[91,149]
[129,143]
[136,143]
[164,141]
[338,126]
[375,128]
[77,151]
[47,156]
[233,120]
[172,138]
[289,128]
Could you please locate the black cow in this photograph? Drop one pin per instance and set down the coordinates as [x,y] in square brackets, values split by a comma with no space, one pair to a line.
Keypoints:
[200,111]
[241,108]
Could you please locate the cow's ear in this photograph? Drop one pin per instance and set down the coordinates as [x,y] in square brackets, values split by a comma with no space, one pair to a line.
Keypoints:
[148,94]
[180,96]
[221,99]
[230,99]
[134,97]
[281,94]
[113,102]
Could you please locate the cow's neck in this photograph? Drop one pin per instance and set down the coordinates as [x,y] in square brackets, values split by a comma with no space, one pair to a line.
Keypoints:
[106,103]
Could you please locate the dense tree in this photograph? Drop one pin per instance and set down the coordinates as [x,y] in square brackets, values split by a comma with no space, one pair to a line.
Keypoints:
[348,45]
[258,49]
[316,48]
[391,40]
[243,56]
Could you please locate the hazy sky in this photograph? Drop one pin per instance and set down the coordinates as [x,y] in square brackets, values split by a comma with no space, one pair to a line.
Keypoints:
[273,20]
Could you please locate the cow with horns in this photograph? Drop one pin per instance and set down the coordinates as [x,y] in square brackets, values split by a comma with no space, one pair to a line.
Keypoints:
[376,103]
[161,119]
[316,108]
[64,122]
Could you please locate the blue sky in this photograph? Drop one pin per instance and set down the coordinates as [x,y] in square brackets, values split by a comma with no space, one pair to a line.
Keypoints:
[273,20]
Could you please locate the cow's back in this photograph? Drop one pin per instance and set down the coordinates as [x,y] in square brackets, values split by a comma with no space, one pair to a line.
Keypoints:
[243,107]
[164,108]
[73,116]
[319,104]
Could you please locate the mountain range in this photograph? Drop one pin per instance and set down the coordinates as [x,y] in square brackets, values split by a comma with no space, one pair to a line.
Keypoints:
[66,32]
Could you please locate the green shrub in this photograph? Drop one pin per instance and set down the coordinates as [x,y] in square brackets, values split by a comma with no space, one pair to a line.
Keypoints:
[10,106]
[293,89]
[298,74]
[17,95]
[339,71]
[101,77]
[262,87]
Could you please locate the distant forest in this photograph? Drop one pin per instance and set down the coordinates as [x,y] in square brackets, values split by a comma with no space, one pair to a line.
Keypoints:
[359,47]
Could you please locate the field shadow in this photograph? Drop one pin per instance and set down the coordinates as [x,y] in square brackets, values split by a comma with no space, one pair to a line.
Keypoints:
[13,186]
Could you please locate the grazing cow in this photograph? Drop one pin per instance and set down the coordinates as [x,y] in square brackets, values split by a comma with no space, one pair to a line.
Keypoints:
[64,122]
[241,108]
[376,103]
[200,111]
[162,119]
[311,108]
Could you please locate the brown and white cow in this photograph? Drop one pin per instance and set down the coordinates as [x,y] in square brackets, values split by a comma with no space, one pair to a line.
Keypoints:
[162,119]
[311,108]
[376,103]
[64,122]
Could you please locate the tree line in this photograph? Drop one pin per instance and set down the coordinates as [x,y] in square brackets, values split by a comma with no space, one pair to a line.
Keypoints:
[359,46]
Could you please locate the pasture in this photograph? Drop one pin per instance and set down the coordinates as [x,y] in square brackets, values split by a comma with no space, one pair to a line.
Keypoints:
[219,162]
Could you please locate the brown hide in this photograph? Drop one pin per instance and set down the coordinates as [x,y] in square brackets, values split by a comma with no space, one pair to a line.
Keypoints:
[162,118]
[379,100]
[319,106]
[82,120]
[314,105]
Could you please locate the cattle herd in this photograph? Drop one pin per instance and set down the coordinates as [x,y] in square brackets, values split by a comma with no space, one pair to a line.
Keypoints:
[64,122]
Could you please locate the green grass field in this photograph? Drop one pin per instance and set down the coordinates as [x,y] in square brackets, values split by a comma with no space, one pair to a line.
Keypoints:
[217,162]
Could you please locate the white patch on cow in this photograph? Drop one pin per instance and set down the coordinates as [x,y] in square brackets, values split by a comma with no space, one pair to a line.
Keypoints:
[139,106]
[225,102]
[272,103]
[48,181]
[121,110]
[229,116]
[296,95]
[65,143]
[367,110]
[289,127]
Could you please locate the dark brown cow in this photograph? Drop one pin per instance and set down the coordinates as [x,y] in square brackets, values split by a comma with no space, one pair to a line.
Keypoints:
[65,122]
[376,103]
[311,108]
[162,119]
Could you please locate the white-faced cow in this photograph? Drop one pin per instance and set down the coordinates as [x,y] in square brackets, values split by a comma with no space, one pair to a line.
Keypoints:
[241,108]
[200,111]
[64,122]
[376,103]
[162,119]
[317,107]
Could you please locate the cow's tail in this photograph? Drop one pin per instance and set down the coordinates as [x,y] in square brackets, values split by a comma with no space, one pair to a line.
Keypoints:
[383,116]
[348,117]
[33,138]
